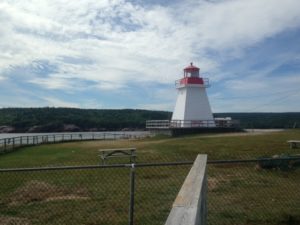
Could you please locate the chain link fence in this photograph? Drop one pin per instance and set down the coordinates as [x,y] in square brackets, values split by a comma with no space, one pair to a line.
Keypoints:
[89,195]
[240,192]
[258,192]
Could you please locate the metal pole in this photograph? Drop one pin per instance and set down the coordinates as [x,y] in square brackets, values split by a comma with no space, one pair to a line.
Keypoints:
[132,185]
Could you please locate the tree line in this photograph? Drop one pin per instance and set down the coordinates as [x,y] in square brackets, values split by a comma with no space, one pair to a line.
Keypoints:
[50,119]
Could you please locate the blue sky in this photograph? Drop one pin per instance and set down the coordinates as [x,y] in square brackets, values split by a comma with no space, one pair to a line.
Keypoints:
[127,54]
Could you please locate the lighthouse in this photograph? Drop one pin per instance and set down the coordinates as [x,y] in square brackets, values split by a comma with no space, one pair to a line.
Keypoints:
[192,107]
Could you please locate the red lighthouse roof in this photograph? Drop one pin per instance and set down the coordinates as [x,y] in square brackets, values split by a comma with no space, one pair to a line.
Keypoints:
[191,68]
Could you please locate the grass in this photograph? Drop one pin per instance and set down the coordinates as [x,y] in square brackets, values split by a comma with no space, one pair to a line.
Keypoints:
[238,194]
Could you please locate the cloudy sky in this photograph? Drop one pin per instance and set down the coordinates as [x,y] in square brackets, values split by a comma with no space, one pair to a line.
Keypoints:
[127,54]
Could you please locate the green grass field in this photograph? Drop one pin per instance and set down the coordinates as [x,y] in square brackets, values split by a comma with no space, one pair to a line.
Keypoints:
[238,194]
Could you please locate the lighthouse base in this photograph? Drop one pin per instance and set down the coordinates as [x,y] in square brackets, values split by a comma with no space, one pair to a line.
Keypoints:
[176,132]
[177,128]
[200,130]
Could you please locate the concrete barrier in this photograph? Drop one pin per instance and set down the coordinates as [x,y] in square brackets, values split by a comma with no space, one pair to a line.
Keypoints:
[189,207]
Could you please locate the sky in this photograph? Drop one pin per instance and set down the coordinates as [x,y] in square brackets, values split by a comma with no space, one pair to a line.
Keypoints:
[119,54]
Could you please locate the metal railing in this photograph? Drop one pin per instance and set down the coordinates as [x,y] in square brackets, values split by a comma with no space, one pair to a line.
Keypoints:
[192,123]
[173,124]
[205,84]
[158,124]
[13,143]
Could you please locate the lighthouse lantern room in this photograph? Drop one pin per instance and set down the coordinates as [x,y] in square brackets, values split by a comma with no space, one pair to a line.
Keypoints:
[192,107]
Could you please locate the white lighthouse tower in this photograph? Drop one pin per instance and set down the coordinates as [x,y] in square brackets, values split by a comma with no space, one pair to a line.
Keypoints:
[192,107]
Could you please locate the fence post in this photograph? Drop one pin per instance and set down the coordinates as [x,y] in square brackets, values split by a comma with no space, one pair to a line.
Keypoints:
[5,145]
[189,207]
[13,147]
[132,187]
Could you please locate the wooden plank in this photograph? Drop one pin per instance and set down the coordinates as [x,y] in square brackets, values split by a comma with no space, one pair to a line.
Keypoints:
[116,149]
[189,207]
[293,143]
[118,152]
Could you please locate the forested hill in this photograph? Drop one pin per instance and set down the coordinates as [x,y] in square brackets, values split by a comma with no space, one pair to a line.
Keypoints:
[70,119]
[265,120]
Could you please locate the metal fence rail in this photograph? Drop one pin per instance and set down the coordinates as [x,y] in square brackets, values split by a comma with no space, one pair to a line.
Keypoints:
[10,144]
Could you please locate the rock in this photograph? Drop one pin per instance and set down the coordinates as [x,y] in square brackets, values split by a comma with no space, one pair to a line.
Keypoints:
[71,128]
[94,129]
[7,129]
[34,129]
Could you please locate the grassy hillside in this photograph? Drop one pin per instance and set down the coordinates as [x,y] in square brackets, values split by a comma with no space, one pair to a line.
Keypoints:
[238,193]
[157,149]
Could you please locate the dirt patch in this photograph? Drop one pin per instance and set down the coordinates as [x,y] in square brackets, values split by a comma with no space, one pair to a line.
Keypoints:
[66,197]
[13,221]
[212,183]
[156,176]
[215,182]
[38,191]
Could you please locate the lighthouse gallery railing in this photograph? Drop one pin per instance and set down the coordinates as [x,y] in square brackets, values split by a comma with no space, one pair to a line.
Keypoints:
[167,124]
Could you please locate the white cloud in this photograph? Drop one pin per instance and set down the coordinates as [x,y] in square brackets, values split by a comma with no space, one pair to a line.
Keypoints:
[238,23]
[246,85]
[2,78]
[52,83]
[51,101]
[109,86]
[117,42]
